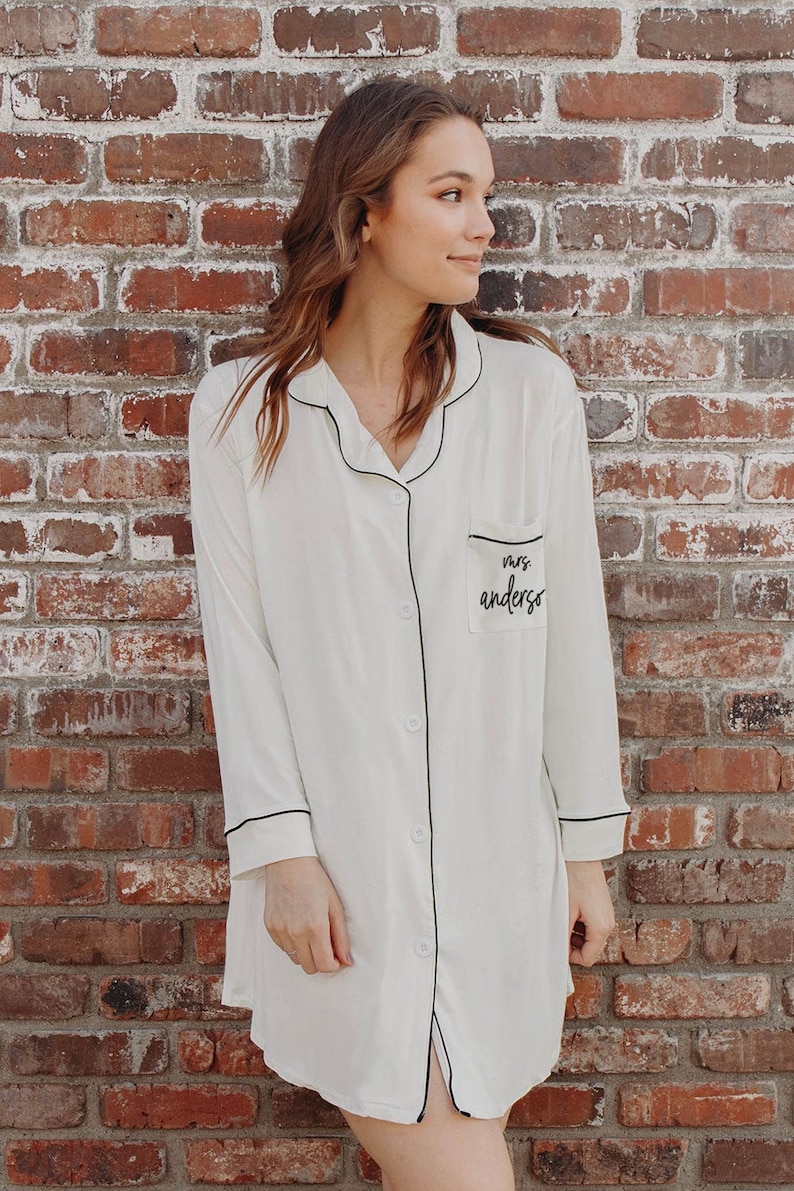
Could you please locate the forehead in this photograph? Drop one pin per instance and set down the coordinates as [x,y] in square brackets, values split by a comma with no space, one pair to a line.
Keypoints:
[456,145]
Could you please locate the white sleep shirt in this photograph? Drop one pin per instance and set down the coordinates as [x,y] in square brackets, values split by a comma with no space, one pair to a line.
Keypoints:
[412,680]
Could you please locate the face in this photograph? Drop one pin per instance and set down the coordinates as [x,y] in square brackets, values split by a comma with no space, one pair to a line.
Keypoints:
[427,245]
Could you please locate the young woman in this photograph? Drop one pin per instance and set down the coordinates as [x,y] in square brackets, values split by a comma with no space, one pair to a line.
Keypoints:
[408,655]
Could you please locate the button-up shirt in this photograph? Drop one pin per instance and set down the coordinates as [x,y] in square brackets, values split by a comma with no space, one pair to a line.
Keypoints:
[412,680]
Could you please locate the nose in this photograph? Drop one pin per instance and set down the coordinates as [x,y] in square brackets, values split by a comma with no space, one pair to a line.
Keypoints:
[481,225]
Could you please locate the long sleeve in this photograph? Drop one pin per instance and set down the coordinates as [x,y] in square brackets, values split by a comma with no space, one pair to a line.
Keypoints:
[580,726]
[267,816]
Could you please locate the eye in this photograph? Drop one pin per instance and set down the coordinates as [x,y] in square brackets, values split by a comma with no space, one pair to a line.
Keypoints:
[450,196]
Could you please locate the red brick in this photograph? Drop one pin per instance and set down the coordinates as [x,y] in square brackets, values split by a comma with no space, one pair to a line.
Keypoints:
[661,828]
[769,478]
[111,826]
[127,223]
[51,415]
[163,998]
[587,998]
[725,536]
[17,477]
[703,882]
[100,1052]
[71,290]
[256,94]
[696,1105]
[41,1106]
[661,713]
[51,998]
[761,827]
[30,29]
[540,290]
[746,1050]
[559,161]
[722,159]
[691,996]
[264,1160]
[57,538]
[209,936]
[209,715]
[226,1052]
[688,654]
[155,415]
[32,653]
[714,770]
[613,1049]
[300,1108]
[767,713]
[653,941]
[243,224]
[608,1161]
[165,537]
[725,292]
[114,352]
[33,157]
[652,224]
[101,941]
[757,1161]
[13,606]
[208,31]
[558,1105]
[638,95]
[177,1106]
[688,479]
[374,31]
[642,596]
[644,355]
[172,882]
[761,941]
[148,654]
[714,34]
[763,227]
[168,769]
[88,1163]
[8,826]
[714,417]
[81,711]
[540,32]
[619,536]
[133,475]
[84,93]
[214,827]
[148,289]
[765,355]
[156,595]
[55,769]
[185,157]
[70,884]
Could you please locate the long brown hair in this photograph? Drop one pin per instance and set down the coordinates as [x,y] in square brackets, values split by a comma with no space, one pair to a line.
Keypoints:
[362,145]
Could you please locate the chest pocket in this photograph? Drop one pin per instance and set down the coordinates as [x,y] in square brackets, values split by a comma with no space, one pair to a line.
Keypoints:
[505,576]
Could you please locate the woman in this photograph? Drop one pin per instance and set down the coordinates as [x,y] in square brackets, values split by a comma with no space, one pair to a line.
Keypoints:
[409,657]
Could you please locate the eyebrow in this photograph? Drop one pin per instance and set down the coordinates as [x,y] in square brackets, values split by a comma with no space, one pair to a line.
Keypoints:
[460,174]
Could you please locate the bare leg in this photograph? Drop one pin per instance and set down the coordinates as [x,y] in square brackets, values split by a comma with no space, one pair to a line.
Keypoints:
[445,1151]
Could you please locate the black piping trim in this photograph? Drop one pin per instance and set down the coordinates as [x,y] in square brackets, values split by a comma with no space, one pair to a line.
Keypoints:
[462,1111]
[298,810]
[592,818]
[504,541]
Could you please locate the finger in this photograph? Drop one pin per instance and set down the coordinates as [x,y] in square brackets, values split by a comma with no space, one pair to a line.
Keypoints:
[306,959]
[322,953]
[340,940]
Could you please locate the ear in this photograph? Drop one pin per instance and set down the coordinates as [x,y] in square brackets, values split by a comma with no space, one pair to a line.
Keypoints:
[366,231]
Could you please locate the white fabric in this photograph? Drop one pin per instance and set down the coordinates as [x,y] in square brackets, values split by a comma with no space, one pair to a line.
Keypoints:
[412,679]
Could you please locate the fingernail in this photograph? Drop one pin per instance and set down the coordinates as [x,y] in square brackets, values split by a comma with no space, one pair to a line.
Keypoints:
[349,958]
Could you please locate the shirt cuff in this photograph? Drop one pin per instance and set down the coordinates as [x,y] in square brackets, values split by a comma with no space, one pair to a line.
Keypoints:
[594,839]
[258,842]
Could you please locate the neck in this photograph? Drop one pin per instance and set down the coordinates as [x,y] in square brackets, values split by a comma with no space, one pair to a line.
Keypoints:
[372,333]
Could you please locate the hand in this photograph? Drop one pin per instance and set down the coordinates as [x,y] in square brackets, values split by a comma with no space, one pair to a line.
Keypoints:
[591,916]
[303,913]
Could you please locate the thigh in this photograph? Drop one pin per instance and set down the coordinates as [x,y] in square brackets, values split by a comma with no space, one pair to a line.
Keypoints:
[445,1151]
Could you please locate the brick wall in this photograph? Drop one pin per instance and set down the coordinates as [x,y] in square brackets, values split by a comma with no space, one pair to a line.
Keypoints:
[646,221]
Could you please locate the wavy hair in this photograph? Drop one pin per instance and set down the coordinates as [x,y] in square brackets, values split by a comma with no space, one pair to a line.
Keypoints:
[367,138]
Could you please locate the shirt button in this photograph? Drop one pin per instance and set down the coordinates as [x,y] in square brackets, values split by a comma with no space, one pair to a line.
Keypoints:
[398,495]
[419,832]
[406,609]
[413,723]
[423,947]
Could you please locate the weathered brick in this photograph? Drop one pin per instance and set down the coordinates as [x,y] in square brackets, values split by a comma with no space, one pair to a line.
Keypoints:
[99,1052]
[163,998]
[17,478]
[177,1106]
[62,289]
[168,769]
[699,1105]
[150,654]
[50,998]
[33,157]
[125,223]
[711,770]
[661,713]
[619,536]
[613,1049]
[86,93]
[761,827]
[756,1161]
[689,479]
[691,996]
[687,654]
[225,1052]
[30,653]
[647,1160]
[82,711]
[172,882]
[144,595]
[113,352]
[559,161]
[165,537]
[263,95]
[127,475]
[14,591]
[111,826]
[185,157]
[645,596]
[101,941]
[294,1108]
[68,884]
[539,32]
[654,828]
[644,355]
[540,290]
[710,881]
[746,1050]
[206,31]
[639,95]
[588,996]
[148,289]
[653,941]
[264,1160]
[377,31]
[714,34]
[209,936]
[763,227]
[49,415]
[41,1106]
[231,224]
[88,1163]
[8,826]
[56,537]
[718,418]
[725,292]
[614,227]
[765,355]
[567,1106]
[32,29]
[761,941]
[55,769]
